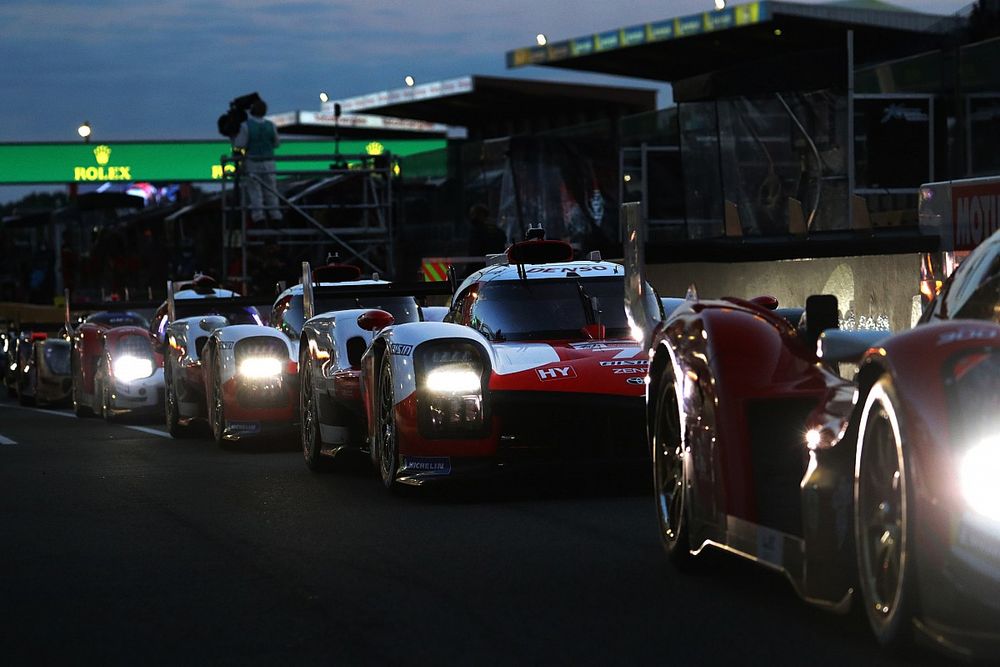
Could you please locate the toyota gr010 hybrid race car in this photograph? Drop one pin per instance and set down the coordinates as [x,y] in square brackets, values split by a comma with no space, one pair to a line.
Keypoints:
[116,363]
[251,371]
[534,364]
[45,378]
[186,321]
[882,489]
[332,417]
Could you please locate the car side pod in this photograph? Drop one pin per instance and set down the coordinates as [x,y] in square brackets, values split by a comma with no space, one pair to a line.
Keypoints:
[375,320]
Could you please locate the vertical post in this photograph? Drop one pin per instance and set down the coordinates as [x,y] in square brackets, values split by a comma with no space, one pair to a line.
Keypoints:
[621,191]
[224,208]
[645,190]
[930,136]
[390,220]
[850,129]
[308,302]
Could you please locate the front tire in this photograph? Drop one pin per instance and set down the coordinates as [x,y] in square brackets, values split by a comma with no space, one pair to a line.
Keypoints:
[107,413]
[670,479]
[309,420]
[386,436]
[217,408]
[883,520]
[174,426]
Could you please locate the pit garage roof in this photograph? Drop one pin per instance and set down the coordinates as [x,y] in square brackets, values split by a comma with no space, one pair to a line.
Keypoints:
[353,126]
[688,46]
[495,106]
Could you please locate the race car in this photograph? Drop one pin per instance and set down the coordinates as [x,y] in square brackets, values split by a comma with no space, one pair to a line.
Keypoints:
[185,322]
[331,345]
[533,365]
[251,370]
[880,488]
[116,363]
[45,377]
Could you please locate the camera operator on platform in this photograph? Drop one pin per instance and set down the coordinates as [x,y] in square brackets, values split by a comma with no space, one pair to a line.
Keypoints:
[259,137]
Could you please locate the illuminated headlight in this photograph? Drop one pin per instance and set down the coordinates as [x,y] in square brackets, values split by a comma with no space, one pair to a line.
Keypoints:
[452,381]
[450,390]
[260,367]
[979,472]
[13,366]
[127,369]
[6,345]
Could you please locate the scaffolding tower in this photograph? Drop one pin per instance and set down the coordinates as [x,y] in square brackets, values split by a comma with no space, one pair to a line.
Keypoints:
[346,207]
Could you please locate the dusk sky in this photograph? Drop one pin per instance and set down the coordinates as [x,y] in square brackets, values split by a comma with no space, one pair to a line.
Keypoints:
[166,69]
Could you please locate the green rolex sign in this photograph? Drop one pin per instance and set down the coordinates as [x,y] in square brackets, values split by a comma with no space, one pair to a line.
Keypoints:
[179,161]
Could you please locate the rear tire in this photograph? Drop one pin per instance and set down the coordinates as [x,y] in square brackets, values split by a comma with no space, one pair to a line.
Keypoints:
[883,520]
[670,478]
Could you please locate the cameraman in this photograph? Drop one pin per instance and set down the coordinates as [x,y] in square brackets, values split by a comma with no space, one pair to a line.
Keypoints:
[259,138]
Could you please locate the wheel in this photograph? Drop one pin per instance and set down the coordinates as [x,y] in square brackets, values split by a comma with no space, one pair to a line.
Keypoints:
[217,408]
[79,409]
[174,426]
[670,478]
[386,442]
[106,412]
[24,400]
[883,520]
[309,420]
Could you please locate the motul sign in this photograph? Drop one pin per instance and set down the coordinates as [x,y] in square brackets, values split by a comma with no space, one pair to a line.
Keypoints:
[975,213]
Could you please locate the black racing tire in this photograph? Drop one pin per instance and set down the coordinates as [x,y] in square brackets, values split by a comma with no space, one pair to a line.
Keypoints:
[884,517]
[217,407]
[670,478]
[176,429]
[106,412]
[22,399]
[386,443]
[309,426]
[79,409]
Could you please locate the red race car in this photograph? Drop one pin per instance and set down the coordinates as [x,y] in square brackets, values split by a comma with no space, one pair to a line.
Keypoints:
[882,488]
[533,364]
[116,364]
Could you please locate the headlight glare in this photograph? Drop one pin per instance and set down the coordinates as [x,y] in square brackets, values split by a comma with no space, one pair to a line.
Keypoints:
[451,380]
[979,471]
[130,368]
[260,367]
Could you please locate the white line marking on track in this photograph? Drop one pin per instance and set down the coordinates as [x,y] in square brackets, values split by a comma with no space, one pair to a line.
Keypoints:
[151,431]
[6,441]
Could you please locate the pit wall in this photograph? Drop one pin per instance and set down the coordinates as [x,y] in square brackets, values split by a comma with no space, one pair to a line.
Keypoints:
[872,291]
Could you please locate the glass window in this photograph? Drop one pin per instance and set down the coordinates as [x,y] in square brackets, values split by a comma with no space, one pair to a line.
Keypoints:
[57,358]
[402,308]
[548,309]
[118,319]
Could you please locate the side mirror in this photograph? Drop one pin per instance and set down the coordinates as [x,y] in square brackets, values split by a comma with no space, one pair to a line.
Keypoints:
[375,320]
[768,302]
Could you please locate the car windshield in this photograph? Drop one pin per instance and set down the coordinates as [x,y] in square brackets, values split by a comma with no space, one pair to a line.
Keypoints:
[549,309]
[133,346]
[57,358]
[402,308]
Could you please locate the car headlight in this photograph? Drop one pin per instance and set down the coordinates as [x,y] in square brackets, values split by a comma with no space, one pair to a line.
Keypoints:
[130,368]
[260,367]
[451,380]
[979,471]
[450,390]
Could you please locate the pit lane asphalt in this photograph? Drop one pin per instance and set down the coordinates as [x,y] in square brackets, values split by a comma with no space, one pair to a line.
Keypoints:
[120,545]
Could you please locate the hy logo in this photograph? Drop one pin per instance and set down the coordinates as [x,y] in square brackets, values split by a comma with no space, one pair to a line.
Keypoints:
[556,373]
[102,153]
[374,148]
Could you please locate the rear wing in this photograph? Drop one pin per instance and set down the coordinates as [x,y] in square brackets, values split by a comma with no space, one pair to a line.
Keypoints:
[641,306]
[71,307]
[179,308]
[311,291]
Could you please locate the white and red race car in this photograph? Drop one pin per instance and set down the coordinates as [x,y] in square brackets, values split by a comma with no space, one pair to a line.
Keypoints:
[534,363]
